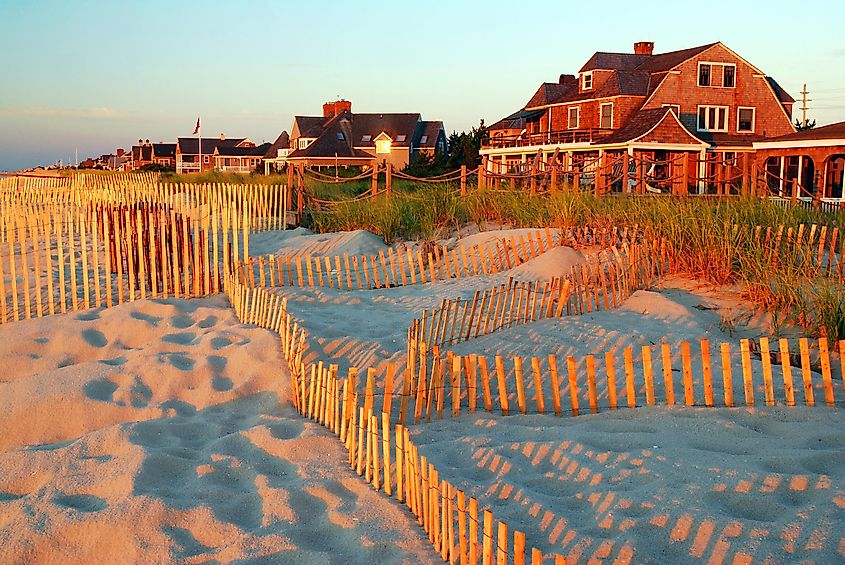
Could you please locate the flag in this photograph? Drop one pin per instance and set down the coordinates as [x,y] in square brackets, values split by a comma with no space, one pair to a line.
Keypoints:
[197,129]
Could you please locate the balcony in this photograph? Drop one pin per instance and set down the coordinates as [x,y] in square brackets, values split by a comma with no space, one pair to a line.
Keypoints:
[545,138]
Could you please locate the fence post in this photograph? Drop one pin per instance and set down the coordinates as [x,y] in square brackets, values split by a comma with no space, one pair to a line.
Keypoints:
[626,175]
[482,183]
[463,180]
[375,178]
[388,178]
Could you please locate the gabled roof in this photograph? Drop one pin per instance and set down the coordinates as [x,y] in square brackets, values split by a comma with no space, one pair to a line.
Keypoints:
[602,60]
[431,130]
[549,91]
[663,62]
[782,95]
[282,142]
[335,140]
[516,120]
[257,151]
[164,149]
[831,131]
[190,145]
[310,126]
[647,121]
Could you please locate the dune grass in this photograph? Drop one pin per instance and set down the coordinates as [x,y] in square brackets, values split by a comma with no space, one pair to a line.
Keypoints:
[701,231]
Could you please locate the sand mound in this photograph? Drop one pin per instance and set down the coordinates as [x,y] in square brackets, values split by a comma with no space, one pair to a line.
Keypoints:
[301,242]
[160,431]
[556,262]
[656,305]
[489,237]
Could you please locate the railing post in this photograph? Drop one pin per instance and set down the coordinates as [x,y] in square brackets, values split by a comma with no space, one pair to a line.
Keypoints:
[463,180]
[482,181]
[626,175]
[375,178]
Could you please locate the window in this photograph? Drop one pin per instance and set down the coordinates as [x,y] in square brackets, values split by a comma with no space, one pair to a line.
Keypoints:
[366,138]
[587,81]
[206,159]
[423,140]
[400,138]
[574,115]
[745,119]
[713,118]
[717,75]
[729,76]
[382,146]
[340,136]
[675,107]
[703,74]
[606,115]
[304,142]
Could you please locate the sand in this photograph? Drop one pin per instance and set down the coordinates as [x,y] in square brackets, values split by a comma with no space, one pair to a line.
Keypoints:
[161,431]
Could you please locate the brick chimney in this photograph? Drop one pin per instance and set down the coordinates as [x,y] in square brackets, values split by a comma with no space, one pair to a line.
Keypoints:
[342,106]
[328,110]
[644,48]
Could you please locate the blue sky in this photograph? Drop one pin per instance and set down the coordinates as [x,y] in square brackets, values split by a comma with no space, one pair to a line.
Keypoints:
[94,75]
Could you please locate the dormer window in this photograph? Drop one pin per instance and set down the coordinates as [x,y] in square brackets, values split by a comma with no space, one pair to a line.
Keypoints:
[587,81]
[383,143]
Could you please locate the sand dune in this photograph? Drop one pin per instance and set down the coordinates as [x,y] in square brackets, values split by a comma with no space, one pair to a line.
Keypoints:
[160,431]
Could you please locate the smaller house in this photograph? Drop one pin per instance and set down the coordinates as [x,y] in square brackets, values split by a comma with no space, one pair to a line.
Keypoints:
[277,155]
[164,154]
[344,138]
[239,159]
[194,155]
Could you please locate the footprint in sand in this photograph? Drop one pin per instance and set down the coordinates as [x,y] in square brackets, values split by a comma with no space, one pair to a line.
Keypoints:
[81,502]
[208,322]
[9,497]
[89,315]
[181,322]
[100,389]
[218,343]
[151,320]
[94,338]
[182,338]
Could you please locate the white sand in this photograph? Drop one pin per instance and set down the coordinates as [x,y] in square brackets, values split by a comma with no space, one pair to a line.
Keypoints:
[662,485]
[166,426]
[161,431]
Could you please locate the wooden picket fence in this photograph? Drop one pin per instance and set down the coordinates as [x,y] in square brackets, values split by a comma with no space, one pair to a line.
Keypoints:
[601,283]
[82,247]
[380,450]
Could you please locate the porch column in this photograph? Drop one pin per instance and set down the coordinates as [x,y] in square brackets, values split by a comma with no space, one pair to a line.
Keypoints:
[702,171]
[780,177]
[799,181]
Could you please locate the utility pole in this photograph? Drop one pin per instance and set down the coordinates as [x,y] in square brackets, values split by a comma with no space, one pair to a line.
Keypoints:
[804,101]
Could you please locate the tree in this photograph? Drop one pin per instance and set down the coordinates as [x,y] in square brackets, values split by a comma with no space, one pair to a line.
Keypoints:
[464,147]
[801,127]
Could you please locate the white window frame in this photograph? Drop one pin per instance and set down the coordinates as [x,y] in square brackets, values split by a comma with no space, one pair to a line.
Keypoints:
[711,129]
[753,119]
[584,77]
[569,117]
[601,107]
[723,74]
[713,65]
[677,108]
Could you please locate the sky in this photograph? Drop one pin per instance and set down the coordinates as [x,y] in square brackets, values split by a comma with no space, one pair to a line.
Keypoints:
[89,76]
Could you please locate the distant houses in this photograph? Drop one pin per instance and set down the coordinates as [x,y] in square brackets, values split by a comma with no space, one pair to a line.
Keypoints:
[194,154]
